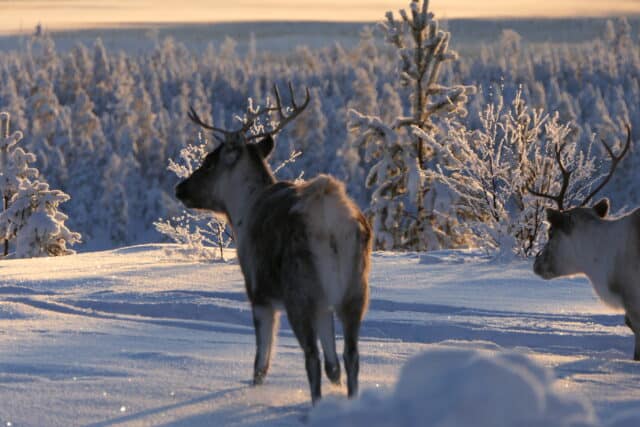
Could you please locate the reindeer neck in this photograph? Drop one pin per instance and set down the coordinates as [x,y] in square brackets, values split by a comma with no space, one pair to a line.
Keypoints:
[240,204]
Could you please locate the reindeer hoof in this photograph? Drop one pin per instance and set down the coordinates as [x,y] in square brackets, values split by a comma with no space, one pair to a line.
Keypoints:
[627,322]
[333,373]
[258,377]
[315,399]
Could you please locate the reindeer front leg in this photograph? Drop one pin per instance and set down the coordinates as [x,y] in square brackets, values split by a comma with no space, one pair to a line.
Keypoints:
[633,322]
[265,322]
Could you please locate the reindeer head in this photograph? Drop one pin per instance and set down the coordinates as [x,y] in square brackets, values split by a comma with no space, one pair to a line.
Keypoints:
[569,236]
[572,231]
[237,166]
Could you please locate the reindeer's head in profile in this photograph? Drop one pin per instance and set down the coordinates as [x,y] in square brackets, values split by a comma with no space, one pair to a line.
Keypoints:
[574,234]
[569,241]
[238,163]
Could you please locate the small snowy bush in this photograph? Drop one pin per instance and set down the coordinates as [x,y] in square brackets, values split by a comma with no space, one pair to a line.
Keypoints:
[462,387]
[201,231]
[490,171]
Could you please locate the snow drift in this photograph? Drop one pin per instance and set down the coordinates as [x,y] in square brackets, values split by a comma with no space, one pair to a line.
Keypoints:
[463,387]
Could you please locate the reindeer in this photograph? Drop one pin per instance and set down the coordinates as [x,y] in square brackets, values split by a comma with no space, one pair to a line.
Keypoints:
[304,247]
[584,240]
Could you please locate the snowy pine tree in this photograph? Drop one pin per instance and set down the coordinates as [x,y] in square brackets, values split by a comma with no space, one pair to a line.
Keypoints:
[30,209]
[403,212]
[14,167]
[308,132]
[50,130]
[35,222]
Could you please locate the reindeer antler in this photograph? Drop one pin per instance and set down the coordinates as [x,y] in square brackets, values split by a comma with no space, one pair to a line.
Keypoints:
[566,174]
[197,120]
[283,117]
[566,178]
[615,160]
[252,116]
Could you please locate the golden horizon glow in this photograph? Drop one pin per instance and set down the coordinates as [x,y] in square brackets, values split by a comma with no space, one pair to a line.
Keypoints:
[23,15]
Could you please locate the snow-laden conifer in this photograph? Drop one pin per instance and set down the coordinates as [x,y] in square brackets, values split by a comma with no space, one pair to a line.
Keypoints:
[404,202]
[14,167]
[50,128]
[35,222]
[30,214]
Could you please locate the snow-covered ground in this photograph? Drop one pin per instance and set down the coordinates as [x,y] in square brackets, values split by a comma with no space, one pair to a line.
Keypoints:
[147,336]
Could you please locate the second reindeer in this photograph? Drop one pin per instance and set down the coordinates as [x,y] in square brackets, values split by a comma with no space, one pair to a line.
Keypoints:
[304,247]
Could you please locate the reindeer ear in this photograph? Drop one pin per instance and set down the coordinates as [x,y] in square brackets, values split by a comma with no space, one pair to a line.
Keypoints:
[558,219]
[265,146]
[602,208]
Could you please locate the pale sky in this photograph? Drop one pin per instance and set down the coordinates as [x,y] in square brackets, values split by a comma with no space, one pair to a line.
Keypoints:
[24,14]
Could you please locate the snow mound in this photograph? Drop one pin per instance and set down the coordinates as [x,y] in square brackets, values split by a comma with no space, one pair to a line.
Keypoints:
[463,387]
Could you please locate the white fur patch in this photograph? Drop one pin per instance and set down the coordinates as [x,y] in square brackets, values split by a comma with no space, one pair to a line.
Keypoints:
[333,227]
[607,253]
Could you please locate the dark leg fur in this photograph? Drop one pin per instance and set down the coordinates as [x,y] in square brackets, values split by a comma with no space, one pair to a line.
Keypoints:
[265,322]
[327,335]
[633,324]
[302,324]
[627,322]
[351,316]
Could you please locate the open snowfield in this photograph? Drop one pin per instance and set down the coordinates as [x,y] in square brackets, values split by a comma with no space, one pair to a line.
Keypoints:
[146,336]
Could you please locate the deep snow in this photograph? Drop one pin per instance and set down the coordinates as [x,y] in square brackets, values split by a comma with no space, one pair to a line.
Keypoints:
[145,335]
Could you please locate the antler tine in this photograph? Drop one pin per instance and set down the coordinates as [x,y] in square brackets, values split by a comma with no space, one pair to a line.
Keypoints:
[197,120]
[282,115]
[566,179]
[615,160]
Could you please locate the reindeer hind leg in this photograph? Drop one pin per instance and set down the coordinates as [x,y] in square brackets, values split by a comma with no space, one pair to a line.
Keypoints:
[351,316]
[302,322]
[265,322]
[328,341]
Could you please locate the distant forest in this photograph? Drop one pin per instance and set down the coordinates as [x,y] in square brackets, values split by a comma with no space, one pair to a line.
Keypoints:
[104,123]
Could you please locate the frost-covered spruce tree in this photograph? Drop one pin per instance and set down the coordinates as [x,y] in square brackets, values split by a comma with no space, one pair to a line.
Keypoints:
[11,101]
[50,129]
[35,222]
[308,133]
[403,203]
[85,161]
[30,212]
[14,166]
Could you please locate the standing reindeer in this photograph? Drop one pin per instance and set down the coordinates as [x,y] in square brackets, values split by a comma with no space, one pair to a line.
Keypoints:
[304,247]
[607,250]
